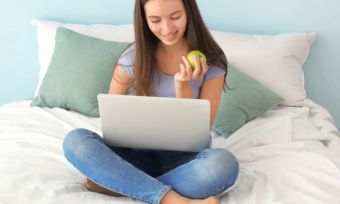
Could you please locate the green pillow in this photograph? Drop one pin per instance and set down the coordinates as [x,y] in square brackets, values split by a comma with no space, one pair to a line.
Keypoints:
[81,67]
[245,100]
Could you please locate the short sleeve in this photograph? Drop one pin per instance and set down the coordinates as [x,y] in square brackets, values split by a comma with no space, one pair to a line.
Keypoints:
[127,59]
[213,71]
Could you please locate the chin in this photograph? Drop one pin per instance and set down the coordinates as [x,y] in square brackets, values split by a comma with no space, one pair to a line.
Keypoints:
[170,43]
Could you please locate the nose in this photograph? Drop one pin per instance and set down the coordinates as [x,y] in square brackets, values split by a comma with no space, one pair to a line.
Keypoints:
[167,27]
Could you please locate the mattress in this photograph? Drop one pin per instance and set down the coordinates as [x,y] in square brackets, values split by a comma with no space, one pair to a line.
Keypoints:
[288,155]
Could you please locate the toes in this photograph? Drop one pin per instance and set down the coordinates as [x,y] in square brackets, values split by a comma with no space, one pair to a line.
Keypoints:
[87,184]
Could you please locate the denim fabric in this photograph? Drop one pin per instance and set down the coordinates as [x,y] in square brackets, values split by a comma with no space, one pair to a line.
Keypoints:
[148,175]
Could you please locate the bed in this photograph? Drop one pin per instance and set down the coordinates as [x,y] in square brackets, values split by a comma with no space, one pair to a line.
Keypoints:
[288,153]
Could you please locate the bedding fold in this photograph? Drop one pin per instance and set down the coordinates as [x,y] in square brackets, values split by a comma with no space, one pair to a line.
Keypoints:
[288,155]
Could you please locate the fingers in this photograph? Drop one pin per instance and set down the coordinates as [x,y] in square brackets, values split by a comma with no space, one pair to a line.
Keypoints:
[186,67]
[186,62]
[198,68]
[187,74]
[205,66]
[201,68]
[183,72]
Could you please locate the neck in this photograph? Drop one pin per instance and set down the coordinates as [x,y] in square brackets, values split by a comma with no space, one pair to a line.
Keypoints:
[170,49]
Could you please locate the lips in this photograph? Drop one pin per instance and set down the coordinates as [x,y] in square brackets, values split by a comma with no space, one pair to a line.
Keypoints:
[170,36]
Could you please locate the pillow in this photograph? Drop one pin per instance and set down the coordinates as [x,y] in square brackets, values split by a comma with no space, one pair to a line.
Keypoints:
[81,67]
[275,61]
[245,100]
[46,32]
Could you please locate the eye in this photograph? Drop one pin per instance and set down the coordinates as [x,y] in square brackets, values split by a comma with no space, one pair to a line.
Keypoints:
[175,17]
[154,19]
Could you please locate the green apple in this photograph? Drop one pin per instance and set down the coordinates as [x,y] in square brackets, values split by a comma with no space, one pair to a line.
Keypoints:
[191,56]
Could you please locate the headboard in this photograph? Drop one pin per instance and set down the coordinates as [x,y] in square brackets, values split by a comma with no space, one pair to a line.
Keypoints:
[19,62]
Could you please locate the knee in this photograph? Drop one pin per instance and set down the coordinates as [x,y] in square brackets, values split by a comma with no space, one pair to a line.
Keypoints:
[212,172]
[223,164]
[75,140]
[219,171]
[220,158]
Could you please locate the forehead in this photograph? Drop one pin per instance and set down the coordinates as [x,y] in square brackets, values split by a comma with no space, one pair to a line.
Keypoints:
[163,7]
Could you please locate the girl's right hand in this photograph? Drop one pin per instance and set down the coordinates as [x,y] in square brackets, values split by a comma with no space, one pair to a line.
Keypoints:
[187,74]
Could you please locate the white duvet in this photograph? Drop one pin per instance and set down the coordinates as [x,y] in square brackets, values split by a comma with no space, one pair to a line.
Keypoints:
[289,155]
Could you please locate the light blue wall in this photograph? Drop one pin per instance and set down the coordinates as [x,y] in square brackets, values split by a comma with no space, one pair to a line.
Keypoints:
[18,51]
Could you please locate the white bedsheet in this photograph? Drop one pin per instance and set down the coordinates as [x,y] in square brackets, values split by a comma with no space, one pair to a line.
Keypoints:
[288,155]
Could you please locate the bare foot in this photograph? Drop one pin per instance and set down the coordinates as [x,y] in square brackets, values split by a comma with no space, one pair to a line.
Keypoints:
[173,197]
[170,197]
[210,200]
[97,188]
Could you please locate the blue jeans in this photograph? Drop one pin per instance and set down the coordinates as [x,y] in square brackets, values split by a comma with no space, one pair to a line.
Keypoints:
[148,175]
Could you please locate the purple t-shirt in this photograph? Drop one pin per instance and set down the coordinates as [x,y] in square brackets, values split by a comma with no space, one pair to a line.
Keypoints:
[162,83]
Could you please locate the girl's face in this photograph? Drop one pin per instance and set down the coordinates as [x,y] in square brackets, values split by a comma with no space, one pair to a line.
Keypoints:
[167,20]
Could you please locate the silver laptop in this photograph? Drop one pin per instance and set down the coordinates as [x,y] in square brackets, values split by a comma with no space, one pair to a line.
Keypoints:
[156,123]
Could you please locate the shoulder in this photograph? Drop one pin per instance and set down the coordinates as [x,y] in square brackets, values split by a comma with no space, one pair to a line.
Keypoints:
[128,56]
[214,71]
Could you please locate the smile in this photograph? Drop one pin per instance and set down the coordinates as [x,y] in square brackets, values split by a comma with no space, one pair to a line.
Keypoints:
[171,36]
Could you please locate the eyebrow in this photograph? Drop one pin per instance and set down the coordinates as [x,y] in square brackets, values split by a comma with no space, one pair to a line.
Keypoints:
[173,13]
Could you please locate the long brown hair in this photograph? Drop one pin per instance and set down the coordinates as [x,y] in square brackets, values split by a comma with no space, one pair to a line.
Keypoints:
[196,34]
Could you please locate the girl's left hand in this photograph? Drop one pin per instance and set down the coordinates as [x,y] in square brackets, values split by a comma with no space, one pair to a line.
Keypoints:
[187,74]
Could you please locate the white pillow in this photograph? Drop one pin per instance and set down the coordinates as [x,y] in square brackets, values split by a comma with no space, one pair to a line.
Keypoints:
[274,60]
[46,31]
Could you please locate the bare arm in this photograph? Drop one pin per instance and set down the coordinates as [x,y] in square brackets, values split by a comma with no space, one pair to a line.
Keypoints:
[120,82]
[211,90]
[183,90]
